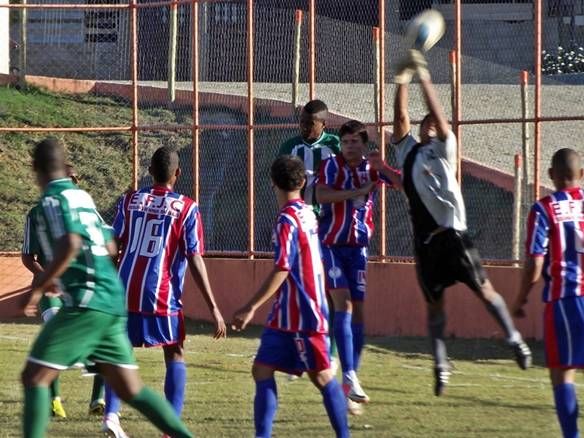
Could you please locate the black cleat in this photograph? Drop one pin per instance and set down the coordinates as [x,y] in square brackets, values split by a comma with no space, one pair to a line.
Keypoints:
[522,354]
[441,376]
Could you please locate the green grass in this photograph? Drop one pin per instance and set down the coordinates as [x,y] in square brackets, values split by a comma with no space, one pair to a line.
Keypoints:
[488,396]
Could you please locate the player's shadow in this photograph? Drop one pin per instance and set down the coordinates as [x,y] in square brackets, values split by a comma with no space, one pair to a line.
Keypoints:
[486,351]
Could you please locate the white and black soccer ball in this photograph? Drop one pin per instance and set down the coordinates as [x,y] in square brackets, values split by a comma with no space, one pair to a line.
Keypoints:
[425,30]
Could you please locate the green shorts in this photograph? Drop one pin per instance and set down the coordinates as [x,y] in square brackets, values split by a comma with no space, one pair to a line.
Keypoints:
[49,306]
[83,336]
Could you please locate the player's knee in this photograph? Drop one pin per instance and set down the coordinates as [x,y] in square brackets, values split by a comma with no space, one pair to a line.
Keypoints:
[321,378]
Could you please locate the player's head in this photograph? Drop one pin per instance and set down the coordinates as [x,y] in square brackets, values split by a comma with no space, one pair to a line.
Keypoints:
[288,173]
[427,128]
[48,160]
[354,139]
[313,120]
[71,173]
[164,165]
[566,170]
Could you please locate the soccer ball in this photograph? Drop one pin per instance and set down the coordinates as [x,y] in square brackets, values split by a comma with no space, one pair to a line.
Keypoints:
[425,30]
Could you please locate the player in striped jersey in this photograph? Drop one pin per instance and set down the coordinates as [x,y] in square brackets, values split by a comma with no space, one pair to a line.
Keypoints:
[555,249]
[295,337]
[346,191]
[161,233]
[49,305]
[313,146]
[91,327]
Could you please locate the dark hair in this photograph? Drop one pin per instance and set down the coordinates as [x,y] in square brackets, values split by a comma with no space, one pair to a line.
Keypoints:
[163,164]
[354,127]
[48,156]
[567,163]
[314,107]
[288,173]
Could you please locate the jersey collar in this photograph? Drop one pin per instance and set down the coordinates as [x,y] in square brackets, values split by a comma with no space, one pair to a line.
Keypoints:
[317,141]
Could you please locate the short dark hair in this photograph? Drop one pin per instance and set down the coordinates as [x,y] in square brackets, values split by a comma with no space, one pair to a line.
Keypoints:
[354,127]
[315,106]
[163,164]
[48,156]
[288,173]
[566,162]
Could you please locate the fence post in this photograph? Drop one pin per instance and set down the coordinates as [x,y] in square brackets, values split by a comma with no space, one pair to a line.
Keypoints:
[457,115]
[250,132]
[296,72]
[381,129]
[377,66]
[22,51]
[525,149]
[517,202]
[537,93]
[172,43]
[134,71]
[311,50]
[195,77]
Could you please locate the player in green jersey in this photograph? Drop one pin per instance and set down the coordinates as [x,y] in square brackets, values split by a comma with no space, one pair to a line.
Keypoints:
[91,326]
[49,306]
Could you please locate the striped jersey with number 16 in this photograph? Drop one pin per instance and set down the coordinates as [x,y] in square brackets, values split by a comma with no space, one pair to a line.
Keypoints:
[555,230]
[300,304]
[158,230]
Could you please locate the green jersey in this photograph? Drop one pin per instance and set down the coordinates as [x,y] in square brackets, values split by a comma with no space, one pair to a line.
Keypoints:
[312,154]
[91,280]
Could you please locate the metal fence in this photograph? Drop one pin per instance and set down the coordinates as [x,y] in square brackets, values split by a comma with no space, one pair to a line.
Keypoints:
[218,80]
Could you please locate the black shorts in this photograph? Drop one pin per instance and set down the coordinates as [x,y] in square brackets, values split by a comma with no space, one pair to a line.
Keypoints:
[448,257]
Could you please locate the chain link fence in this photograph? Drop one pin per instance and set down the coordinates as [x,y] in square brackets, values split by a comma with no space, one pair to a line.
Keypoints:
[82,74]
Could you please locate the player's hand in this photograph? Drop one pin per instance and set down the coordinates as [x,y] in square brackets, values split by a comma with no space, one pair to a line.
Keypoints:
[517,309]
[220,327]
[241,319]
[418,61]
[30,302]
[374,158]
[365,189]
[404,71]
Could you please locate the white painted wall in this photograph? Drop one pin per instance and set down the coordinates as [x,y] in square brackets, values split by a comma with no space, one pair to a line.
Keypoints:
[4,39]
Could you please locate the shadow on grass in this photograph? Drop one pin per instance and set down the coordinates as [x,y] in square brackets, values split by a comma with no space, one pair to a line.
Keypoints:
[472,350]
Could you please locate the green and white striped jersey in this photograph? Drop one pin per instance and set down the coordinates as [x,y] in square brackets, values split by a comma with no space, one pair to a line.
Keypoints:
[312,154]
[91,280]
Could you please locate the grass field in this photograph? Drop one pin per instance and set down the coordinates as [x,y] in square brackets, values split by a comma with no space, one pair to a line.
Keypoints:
[488,396]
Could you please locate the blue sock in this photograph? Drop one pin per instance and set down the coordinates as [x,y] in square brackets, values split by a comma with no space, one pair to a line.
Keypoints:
[264,407]
[174,385]
[358,341]
[567,409]
[112,401]
[336,407]
[344,338]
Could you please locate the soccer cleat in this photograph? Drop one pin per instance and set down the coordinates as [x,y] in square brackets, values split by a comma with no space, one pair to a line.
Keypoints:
[354,408]
[97,407]
[352,388]
[522,354]
[57,408]
[441,377]
[111,427]
[334,366]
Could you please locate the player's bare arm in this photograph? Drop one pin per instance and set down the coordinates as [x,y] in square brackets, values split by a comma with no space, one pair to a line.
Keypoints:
[326,194]
[374,158]
[401,118]
[532,270]
[67,248]
[30,262]
[434,107]
[269,287]
[199,272]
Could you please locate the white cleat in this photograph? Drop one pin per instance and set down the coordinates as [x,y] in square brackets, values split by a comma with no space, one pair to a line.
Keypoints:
[111,427]
[354,408]
[352,388]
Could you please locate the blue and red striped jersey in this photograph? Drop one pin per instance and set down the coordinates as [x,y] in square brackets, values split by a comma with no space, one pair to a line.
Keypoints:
[348,222]
[158,229]
[555,230]
[300,304]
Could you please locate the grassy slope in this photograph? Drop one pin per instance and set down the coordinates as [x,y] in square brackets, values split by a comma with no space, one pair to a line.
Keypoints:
[489,395]
[102,159]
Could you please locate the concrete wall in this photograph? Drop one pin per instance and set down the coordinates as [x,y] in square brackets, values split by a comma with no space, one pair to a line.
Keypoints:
[394,305]
[4,39]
